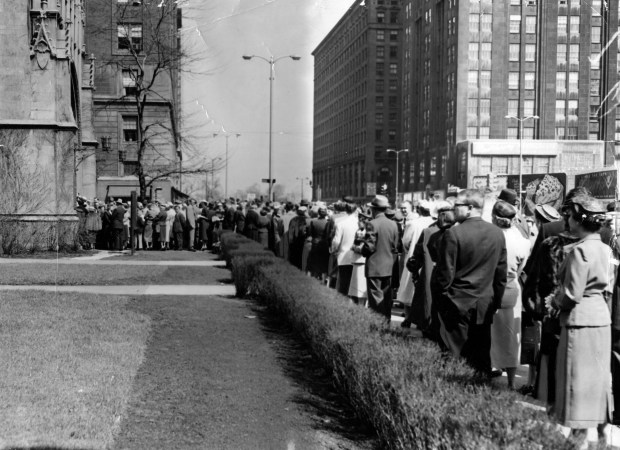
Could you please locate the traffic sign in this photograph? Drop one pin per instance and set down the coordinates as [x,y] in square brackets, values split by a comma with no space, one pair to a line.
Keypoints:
[266,180]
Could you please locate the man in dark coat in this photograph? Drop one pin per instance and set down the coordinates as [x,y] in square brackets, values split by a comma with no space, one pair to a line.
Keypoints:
[178,227]
[472,277]
[380,250]
[118,215]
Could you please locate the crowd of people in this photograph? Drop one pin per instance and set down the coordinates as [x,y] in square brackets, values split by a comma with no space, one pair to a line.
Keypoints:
[475,274]
[161,226]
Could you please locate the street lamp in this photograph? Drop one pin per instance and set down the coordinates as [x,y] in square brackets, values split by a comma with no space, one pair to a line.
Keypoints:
[226,135]
[521,120]
[301,179]
[212,178]
[272,62]
[391,150]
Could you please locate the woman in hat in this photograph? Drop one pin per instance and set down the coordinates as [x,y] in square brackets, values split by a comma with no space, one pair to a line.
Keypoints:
[582,392]
[319,251]
[506,327]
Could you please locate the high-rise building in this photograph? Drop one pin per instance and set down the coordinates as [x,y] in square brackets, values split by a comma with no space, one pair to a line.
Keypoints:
[469,64]
[357,102]
[136,113]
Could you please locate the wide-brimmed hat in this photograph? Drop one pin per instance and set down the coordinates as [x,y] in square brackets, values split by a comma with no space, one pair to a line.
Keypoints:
[443,205]
[347,199]
[547,212]
[380,201]
[504,210]
[588,205]
[509,196]
[302,210]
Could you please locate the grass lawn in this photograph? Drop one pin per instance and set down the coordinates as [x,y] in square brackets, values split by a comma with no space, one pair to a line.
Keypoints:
[68,362]
[168,255]
[107,275]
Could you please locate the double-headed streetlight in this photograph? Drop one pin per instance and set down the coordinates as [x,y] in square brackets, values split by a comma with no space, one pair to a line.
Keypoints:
[272,62]
[212,178]
[391,150]
[226,135]
[521,120]
[301,179]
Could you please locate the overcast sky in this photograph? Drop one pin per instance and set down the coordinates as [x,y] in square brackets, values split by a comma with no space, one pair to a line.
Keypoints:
[234,94]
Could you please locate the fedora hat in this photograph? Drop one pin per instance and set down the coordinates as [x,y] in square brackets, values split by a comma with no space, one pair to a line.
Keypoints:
[380,201]
[509,196]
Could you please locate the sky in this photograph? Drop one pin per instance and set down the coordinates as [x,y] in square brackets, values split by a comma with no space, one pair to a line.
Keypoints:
[232,94]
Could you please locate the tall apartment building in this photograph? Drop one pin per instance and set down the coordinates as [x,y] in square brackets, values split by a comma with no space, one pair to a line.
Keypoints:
[470,63]
[135,43]
[357,102]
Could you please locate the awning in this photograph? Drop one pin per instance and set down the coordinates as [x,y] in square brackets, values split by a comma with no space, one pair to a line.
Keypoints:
[121,191]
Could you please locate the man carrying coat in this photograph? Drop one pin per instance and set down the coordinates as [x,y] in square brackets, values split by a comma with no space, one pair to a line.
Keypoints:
[380,250]
[471,273]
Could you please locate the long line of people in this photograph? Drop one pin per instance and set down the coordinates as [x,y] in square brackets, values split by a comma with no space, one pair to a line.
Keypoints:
[487,283]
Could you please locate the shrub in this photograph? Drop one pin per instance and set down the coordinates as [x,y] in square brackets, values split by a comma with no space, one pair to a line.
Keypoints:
[414,395]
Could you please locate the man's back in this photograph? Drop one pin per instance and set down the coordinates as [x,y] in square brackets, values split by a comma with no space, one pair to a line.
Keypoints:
[472,269]
[381,261]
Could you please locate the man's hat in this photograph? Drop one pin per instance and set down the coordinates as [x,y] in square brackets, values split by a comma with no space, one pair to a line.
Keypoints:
[547,212]
[347,199]
[509,196]
[380,201]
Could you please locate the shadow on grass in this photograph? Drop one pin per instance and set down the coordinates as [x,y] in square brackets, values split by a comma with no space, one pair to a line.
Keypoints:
[331,411]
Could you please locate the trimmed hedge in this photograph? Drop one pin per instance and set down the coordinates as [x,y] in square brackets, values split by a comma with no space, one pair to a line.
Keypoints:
[413,394]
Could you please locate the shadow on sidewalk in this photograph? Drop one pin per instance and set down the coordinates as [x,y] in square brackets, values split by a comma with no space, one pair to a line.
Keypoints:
[318,396]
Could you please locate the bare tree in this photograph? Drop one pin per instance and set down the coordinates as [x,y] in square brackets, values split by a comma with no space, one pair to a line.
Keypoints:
[150,56]
[24,183]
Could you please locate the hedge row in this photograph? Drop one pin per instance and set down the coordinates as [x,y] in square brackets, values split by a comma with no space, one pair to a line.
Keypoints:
[413,394]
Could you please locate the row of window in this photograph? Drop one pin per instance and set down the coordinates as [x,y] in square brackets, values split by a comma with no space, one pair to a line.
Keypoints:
[393,35]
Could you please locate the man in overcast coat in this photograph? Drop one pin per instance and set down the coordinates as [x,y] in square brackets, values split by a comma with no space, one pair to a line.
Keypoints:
[471,273]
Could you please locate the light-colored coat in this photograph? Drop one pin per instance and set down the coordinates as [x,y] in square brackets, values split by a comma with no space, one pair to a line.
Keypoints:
[342,244]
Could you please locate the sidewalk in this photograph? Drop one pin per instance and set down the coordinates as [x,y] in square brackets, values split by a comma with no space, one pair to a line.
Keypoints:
[166,289]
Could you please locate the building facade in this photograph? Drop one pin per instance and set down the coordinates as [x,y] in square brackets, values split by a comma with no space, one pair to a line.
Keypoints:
[44,119]
[136,114]
[552,66]
[357,102]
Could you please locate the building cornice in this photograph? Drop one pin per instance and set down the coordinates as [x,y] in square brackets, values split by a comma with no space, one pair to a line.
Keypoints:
[17,123]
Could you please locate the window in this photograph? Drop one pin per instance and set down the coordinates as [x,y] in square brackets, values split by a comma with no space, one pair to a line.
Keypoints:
[474,23]
[130,37]
[573,83]
[560,133]
[378,135]
[379,102]
[528,108]
[560,111]
[514,51]
[573,55]
[472,132]
[485,51]
[392,101]
[485,111]
[393,69]
[380,69]
[473,51]
[380,51]
[515,23]
[393,17]
[380,17]
[560,83]
[528,133]
[130,128]
[472,107]
[595,87]
[129,82]
[513,108]
[595,61]
[513,80]
[530,52]
[485,84]
[392,135]
[393,85]
[381,35]
[596,35]
[486,23]
[512,133]
[529,80]
[562,26]
[574,26]
[530,24]
[393,35]
[561,54]
[472,78]
[393,51]
[572,110]
[379,118]
[380,85]
[571,133]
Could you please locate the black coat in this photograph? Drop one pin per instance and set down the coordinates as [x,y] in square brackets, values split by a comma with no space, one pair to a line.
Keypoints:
[472,270]
[118,215]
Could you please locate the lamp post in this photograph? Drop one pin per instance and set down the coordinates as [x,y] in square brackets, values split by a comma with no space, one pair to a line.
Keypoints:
[272,62]
[301,179]
[521,120]
[391,150]
[226,135]
[212,178]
